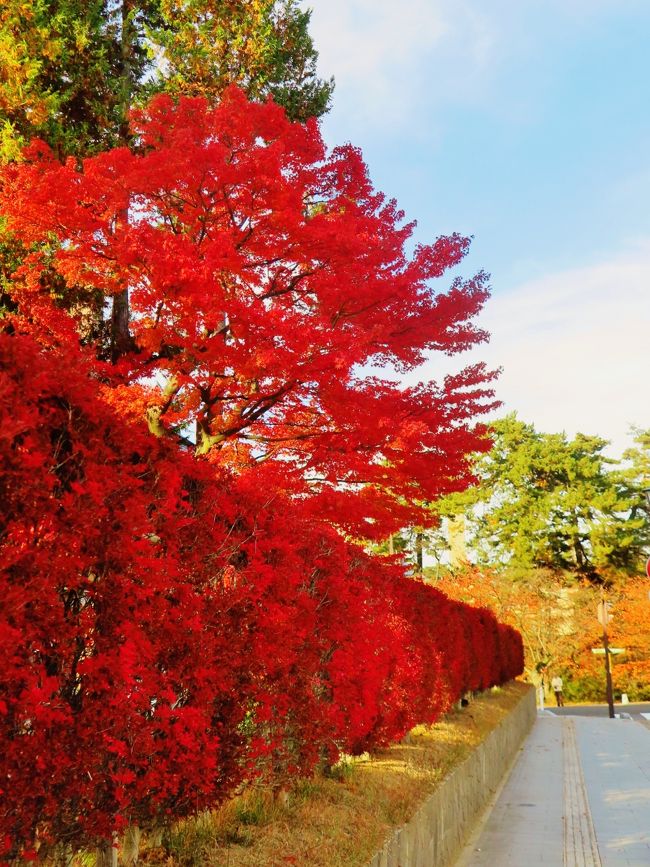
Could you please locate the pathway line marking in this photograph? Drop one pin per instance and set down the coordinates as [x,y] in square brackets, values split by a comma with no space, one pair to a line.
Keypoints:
[580,846]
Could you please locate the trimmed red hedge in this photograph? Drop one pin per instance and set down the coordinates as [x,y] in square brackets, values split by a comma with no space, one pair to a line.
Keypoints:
[168,631]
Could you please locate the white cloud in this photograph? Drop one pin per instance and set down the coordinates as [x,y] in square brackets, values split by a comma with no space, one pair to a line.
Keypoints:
[370,37]
[575,348]
[395,62]
[574,345]
[389,58]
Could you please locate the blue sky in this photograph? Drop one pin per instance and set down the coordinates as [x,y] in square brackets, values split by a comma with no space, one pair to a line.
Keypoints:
[525,123]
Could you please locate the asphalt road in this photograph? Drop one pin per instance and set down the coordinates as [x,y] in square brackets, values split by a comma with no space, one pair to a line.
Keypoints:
[599,709]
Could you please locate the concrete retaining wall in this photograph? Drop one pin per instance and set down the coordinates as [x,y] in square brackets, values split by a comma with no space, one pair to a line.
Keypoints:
[437,832]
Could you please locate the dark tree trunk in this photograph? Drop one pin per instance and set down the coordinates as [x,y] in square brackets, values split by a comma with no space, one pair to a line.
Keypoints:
[419,558]
[121,341]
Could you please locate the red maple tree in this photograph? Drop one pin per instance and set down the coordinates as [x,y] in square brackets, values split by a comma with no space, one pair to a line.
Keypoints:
[268,283]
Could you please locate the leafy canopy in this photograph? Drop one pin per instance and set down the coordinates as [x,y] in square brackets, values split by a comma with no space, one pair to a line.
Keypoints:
[179,614]
[264,277]
[72,69]
[544,500]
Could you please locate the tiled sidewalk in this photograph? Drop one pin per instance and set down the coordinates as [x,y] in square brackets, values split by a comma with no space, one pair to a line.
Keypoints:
[578,796]
[580,848]
[615,758]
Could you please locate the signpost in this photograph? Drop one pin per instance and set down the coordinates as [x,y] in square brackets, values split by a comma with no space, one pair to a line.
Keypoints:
[604,616]
[604,613]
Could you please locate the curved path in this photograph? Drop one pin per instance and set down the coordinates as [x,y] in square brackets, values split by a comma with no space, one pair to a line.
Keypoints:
[577,796]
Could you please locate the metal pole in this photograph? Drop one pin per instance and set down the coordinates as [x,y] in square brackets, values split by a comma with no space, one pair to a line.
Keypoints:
[608,673]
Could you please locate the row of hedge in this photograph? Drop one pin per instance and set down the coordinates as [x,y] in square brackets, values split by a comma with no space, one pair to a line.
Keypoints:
[169,631]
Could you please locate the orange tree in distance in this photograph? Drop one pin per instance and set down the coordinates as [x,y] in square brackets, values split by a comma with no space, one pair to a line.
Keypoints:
[628,628]
[537,604]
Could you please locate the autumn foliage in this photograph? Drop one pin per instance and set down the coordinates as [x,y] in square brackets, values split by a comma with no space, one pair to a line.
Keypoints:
[183,605]
[265,277]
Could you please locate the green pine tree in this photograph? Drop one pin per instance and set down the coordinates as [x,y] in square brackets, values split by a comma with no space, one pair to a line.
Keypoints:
[547,501]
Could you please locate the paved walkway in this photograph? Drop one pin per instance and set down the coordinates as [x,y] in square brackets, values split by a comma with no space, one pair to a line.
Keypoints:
[577,796]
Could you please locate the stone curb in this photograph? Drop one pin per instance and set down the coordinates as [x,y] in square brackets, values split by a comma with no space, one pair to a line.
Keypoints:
[437,832]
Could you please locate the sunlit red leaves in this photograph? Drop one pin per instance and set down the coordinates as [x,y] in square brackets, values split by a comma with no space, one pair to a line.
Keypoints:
[166,632]
[172,625]
[263,276]
[104,613]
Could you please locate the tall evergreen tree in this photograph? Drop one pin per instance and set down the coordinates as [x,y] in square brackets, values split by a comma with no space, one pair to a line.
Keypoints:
[71,69]
[547,501]
[262,45]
